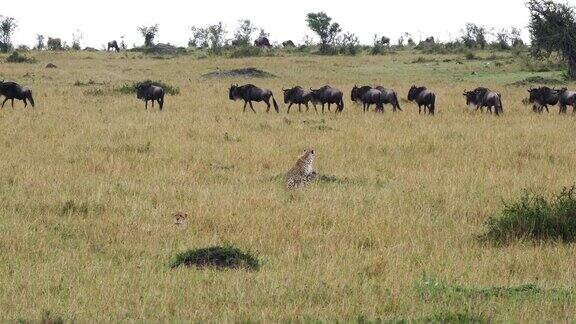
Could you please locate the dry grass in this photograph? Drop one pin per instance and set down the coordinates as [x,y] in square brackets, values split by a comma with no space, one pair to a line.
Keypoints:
[89,181]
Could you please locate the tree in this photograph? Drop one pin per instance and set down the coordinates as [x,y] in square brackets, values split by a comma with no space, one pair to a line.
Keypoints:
[40,42]
[54,44]
[553,30]
[7,27]
[122,43]
[515,37]
[216,34]
[263,34]
[323,26]
[149,33]
[243,34]
[349,44]
[76,38]
[474,36]
[199,37]
[503,39]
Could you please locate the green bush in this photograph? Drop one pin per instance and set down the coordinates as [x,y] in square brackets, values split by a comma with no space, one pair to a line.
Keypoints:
[216,257]
[131,88]
[535,218]
[16,57]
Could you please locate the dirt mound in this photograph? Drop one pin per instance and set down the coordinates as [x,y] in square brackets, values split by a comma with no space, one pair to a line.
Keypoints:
[51,66]
[242,73]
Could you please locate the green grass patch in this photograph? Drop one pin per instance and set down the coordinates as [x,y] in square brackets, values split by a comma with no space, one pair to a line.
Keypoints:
[218,257]
[431,289]
[536,218]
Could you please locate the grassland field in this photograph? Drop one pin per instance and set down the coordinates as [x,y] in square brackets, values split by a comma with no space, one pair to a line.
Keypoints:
[89,181]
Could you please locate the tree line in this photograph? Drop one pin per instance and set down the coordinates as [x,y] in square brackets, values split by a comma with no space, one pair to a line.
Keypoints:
[552,29]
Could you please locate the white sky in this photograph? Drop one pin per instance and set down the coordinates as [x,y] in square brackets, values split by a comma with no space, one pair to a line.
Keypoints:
[104,20]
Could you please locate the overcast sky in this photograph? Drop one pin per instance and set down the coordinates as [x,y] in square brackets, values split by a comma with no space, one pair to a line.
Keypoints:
[104,20]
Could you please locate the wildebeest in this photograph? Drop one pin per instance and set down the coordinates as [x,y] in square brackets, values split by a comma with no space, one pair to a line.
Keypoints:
[484,97]
[151,92]
[423,97]
[262,42]
[298,95]
[288,43]
[541,97]
[249,93]
[367,96]
[12,90]
[566,98]
[385,41]
[328,95]
[113,45]
[390,97]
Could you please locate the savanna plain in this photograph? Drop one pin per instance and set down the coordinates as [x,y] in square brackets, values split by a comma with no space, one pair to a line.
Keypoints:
[390,231]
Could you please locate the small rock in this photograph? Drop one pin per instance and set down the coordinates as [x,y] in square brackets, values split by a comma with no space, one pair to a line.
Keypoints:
[51,66]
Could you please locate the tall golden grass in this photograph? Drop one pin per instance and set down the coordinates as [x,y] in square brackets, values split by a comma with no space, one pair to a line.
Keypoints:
[89,180]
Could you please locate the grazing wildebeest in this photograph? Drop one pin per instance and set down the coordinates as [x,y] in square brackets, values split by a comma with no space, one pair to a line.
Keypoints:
[288,43]
[113,45]
[566,98]
[262,42]
[423,97]
[385,41]
[12,90]
[151,92]
[367,96]
[328,95]
[484,97]
[430,40]
[541,97]
[390,97]
[249,93]
[298,95]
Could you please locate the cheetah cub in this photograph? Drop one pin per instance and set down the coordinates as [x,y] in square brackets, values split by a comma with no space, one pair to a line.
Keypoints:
[180,218]
[303,172]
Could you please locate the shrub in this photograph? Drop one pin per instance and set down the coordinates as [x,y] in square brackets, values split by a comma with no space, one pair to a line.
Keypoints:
[16,57]
[349,44]
[54,44]
[533,217]
[217,257]
[470,56]
[131,88]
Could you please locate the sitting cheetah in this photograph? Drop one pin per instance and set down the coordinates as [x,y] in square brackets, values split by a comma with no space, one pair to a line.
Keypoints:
[180,218]
[303,172]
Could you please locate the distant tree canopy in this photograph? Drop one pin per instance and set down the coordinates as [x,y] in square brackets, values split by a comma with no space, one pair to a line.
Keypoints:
[243,34]
[39,42]
[7,27]
[323,26]
[553,30]
[76,39]
[149,33]
[216,36]
[54,44]
[474,36]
